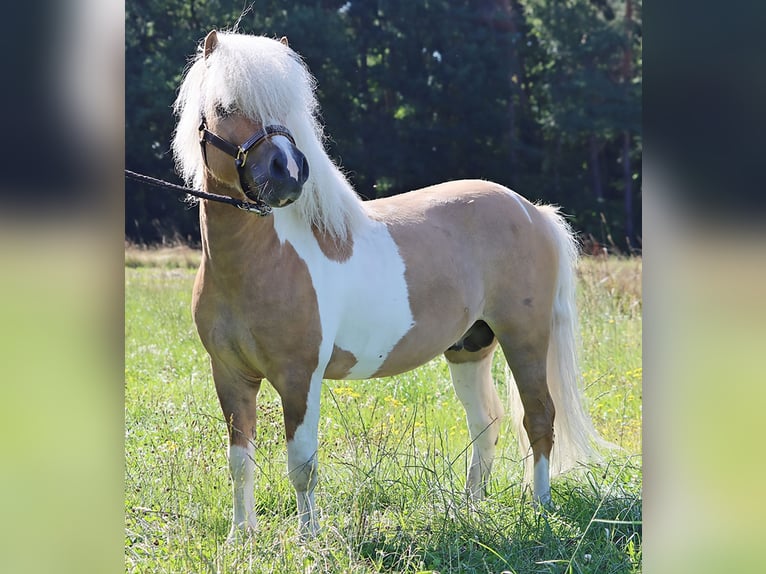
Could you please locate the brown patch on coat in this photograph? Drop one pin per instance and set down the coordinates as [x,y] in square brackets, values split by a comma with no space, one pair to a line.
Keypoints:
[332,248]
[543,446]
[294,396]
[340,365]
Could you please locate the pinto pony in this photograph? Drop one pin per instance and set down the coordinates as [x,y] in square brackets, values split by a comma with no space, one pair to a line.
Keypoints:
[330,287]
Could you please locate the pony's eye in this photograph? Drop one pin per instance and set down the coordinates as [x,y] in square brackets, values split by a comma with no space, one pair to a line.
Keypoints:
[223,112]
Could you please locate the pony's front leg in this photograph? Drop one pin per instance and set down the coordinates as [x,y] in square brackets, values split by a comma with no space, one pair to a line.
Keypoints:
[237,396]
[301,412]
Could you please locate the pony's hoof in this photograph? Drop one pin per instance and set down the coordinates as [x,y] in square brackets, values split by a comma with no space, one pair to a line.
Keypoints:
[475,494]
[309,531]
[543,503]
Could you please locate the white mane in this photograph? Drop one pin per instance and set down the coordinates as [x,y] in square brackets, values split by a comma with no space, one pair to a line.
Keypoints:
[269,83]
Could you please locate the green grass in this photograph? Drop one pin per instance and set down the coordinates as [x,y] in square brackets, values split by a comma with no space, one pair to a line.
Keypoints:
[393,456]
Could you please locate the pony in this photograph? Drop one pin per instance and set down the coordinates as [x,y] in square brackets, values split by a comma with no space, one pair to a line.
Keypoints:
[327,286]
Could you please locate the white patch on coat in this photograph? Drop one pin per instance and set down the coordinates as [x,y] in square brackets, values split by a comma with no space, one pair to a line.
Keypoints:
[363,301]
[287,148]
[242,468]
[542,481]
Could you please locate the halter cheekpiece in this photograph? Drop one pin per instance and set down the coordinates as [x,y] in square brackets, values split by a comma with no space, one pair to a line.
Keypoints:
[239,152]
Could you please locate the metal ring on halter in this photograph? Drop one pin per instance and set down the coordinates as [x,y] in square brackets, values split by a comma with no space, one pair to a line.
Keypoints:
[241,158]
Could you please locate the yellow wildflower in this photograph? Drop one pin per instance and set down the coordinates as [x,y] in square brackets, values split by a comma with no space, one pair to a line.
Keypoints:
[393,402]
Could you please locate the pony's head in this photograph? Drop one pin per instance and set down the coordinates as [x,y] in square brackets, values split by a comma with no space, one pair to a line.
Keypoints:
[267,165]
[238,85]
[233,105]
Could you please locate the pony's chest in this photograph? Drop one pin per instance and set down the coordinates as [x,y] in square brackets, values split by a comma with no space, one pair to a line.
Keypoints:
[259,326]
[363,302]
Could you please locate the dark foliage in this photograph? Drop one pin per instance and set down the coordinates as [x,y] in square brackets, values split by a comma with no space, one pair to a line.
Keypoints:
[542,96]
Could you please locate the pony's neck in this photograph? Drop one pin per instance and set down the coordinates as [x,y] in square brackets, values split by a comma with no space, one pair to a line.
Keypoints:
[230,235]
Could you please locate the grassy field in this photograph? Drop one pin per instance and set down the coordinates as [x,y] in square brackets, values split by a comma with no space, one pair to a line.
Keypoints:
[393,455]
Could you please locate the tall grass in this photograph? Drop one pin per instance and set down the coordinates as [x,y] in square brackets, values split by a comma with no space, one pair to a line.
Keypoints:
[393,456]
[176,255]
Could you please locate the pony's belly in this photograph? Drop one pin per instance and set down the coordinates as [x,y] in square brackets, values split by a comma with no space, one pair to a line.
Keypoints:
[372,328]
[392,368]
[390,349]
[365,364]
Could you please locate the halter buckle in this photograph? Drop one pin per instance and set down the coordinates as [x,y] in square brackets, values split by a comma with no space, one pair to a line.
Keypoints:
[241,158]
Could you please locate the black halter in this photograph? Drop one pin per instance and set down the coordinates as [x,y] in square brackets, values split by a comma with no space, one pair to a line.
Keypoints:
[239,152]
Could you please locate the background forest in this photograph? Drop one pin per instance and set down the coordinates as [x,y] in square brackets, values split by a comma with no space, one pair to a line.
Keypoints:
[543,96]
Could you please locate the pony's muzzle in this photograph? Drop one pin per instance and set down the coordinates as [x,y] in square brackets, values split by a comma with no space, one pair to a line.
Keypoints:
[279,170]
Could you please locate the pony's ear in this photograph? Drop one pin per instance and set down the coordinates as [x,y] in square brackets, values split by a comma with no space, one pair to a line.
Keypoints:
[283,40]
[211,41]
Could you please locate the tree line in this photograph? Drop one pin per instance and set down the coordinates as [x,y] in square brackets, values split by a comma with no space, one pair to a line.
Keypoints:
[543,96]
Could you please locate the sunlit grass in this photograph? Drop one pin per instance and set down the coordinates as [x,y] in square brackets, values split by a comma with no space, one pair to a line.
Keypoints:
[393,456]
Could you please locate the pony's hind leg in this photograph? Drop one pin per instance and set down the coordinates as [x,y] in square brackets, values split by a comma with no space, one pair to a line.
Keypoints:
[237,397]
[470,365]
[527,360]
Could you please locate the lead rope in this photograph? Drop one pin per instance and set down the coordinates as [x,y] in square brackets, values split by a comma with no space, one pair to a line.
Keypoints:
[258,208]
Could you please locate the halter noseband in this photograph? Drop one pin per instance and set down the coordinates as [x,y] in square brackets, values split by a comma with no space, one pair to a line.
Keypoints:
[239,152]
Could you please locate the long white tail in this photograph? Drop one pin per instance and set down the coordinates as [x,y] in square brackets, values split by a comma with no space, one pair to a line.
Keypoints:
[575,440]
